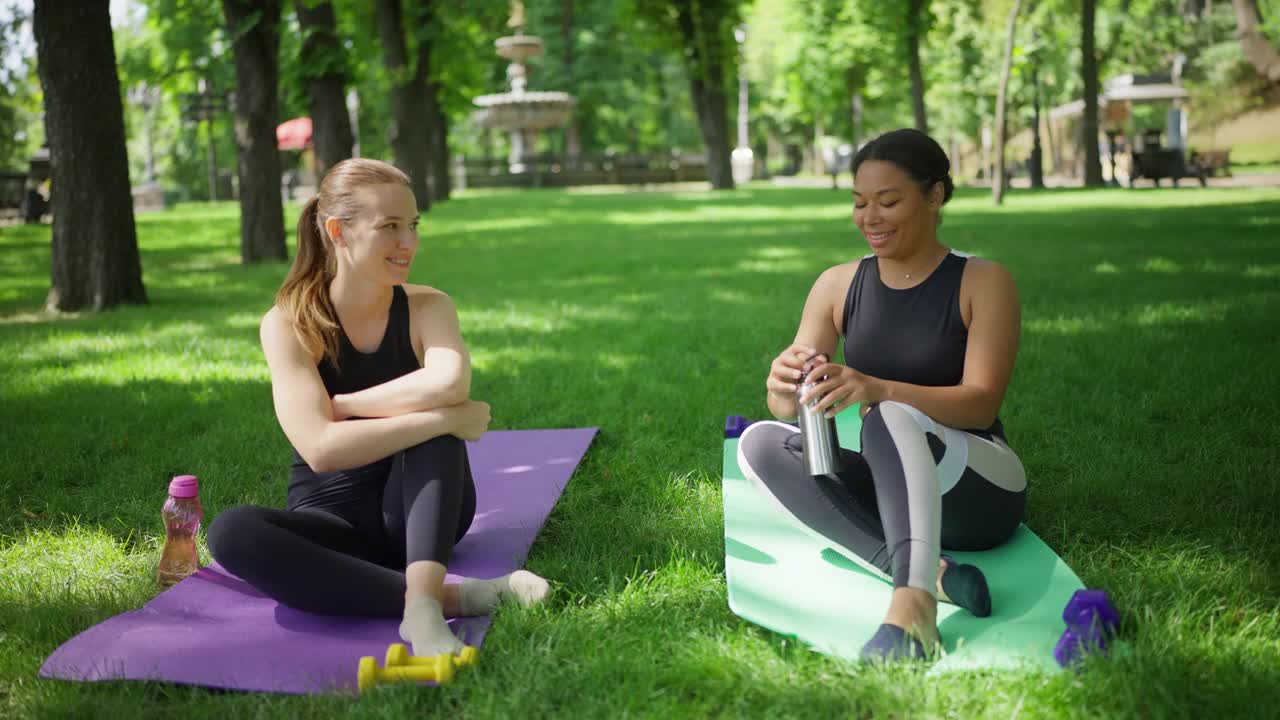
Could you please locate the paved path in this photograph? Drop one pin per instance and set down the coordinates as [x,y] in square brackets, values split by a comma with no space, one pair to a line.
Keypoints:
[845,182]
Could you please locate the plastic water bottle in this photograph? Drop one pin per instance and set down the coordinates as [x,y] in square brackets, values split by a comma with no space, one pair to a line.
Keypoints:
[817,432]
[181,513]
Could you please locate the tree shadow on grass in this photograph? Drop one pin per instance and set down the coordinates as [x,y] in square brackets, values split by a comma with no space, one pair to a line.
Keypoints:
[597,311]
[103,453]
[1137,404]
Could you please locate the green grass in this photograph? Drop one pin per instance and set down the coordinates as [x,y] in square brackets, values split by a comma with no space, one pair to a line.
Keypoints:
[1252,137]
[1144,406]
[1272,168]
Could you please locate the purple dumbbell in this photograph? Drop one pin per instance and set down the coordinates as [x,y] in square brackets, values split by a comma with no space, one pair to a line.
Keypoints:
[734,425]
[1091,622]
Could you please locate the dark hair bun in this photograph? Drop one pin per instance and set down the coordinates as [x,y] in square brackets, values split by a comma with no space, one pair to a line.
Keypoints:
[948,187]
[917,154]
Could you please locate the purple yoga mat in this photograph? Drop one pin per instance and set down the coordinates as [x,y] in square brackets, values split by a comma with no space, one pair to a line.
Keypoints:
[214,630]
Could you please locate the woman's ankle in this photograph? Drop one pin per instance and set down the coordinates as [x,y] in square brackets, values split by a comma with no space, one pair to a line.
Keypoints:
[425,627]
[943,565]
[424,579]
[915,611]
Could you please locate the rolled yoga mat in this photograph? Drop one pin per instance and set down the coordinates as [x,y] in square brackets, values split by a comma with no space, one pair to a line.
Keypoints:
[786,579]
[214,630]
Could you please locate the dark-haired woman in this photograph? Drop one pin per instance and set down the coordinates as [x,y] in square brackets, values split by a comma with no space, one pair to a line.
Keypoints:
[929,340]
[371,382]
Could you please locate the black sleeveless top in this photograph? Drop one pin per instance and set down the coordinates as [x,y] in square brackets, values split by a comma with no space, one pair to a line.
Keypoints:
[915,335]
[356,371]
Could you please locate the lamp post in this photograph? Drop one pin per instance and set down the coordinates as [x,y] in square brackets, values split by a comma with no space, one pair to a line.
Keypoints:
[741,161]
[205,104]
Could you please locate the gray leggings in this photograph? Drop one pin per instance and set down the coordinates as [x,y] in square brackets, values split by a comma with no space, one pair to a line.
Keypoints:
[917,487]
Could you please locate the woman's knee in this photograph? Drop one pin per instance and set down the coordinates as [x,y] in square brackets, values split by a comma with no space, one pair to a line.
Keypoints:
[766,435]
[233,534]
[978,533]
[441,447]
[891,412]
[888,425]
[977,515]
[764,444]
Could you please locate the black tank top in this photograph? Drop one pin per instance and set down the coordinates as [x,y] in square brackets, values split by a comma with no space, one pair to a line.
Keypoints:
[915,335]
[356,371]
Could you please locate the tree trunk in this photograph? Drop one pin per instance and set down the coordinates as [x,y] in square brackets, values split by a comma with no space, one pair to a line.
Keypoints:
[704,58]
[1257,49]
[997,183]
[1089,73]
[664,101]
[441,184]
[322,60]
[425,24]
[761,151]
[856,108]
[410,136]
[255,25]
[95,260]
[1055,146]
[815,148]
[1035,164]
[913,62]
[568,35]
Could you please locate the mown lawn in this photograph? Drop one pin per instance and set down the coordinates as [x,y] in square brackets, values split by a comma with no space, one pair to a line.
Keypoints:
[1145,406]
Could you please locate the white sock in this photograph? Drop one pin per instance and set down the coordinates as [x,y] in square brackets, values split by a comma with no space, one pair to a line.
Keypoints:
[480,597]
[425,628]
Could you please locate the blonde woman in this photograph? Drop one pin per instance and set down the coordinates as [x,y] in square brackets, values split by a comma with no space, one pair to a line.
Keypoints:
[371,382]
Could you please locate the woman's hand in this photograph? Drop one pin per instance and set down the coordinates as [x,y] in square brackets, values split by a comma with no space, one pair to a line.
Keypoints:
[842,388]
[470,419]
[787,369]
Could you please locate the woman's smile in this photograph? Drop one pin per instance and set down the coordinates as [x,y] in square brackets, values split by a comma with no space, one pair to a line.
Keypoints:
[879,239]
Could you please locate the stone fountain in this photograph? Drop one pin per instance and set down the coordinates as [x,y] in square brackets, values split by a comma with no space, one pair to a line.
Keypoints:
[522,112]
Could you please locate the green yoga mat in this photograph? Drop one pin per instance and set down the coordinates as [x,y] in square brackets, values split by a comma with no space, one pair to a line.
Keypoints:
[787,580]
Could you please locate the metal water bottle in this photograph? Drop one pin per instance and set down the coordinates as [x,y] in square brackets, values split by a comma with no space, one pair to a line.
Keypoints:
[817,432]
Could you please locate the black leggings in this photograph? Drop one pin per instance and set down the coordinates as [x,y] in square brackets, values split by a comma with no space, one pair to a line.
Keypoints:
[342,544]
[916,487]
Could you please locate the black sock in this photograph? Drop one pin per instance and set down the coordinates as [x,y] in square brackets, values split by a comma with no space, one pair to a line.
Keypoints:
[967,587]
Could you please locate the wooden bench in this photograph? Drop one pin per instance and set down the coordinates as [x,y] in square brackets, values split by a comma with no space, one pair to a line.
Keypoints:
[1211,161]
[1163,163]
[13,188]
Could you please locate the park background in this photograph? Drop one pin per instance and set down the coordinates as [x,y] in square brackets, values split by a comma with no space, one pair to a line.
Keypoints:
[618,268]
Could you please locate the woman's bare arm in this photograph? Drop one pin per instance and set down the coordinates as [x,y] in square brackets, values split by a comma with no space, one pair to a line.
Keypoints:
[445,376]
[994,331]
[817,329]
[306,414]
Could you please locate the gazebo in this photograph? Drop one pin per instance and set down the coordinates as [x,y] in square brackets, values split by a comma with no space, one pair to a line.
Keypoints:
[1115,108]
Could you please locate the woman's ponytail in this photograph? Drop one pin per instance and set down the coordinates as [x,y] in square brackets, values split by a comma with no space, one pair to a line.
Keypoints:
[304,297]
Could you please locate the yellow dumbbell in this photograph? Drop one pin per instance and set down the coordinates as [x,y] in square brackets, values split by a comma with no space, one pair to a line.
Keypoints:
[398,656]
[438,669]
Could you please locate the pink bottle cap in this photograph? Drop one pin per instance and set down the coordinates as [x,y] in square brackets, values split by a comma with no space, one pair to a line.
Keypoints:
[184,486]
